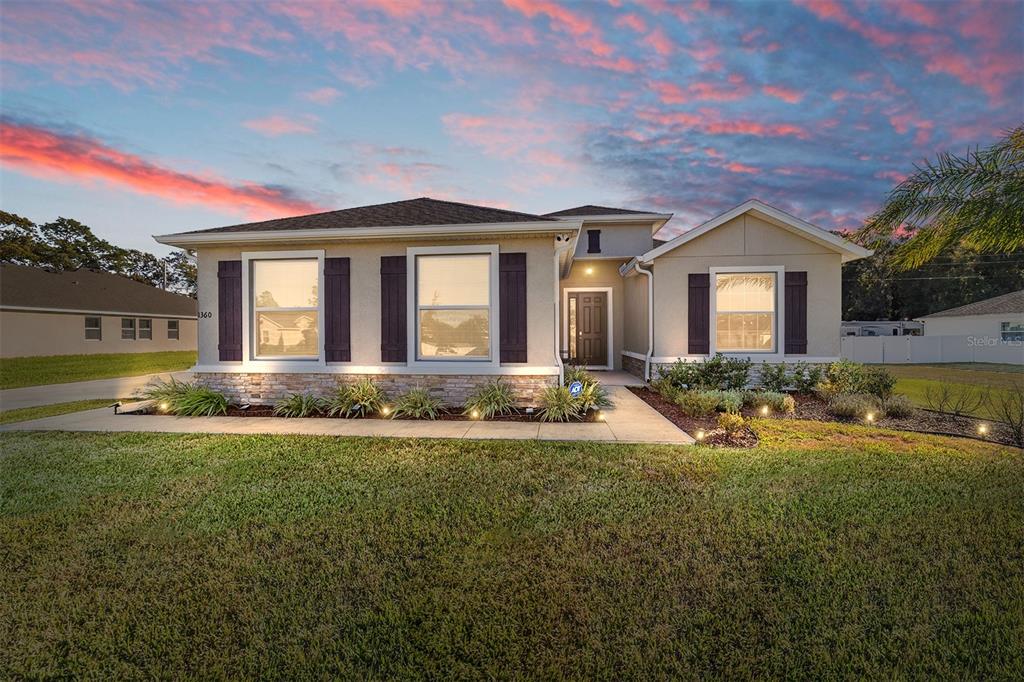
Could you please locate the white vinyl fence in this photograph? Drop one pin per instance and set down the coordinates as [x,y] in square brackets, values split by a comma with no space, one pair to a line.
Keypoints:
[921,349]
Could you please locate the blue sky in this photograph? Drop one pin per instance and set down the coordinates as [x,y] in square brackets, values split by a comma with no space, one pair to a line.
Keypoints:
[146,118]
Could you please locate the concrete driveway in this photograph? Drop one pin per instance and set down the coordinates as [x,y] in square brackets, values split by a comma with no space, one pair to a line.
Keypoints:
[119,387]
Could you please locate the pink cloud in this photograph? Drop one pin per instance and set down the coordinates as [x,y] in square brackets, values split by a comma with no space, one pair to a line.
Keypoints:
[832,10]
[892,176]
[712,123]
[736,167]
[788,95]
[324,95]
[83,160]
[917,12]
[501,136]
[734,88]
[276,125]
[631,21]
[661,43]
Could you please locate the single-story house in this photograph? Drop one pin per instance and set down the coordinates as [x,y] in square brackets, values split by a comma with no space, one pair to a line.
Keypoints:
[1000,317]
[445,295]
[74,312]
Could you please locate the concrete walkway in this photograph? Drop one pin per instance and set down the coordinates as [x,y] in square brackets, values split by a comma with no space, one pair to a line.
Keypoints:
[629,420]
[118,387]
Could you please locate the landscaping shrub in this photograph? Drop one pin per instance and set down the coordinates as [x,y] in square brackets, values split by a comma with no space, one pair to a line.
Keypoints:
[777,402]
[728,401]
[844,377]
[558,405]
[718,373]
[578,373]
[199,401]
[666,389]
[593,397]
[1008,407]
[731,422]
[360,399]
[898,407]
[805,377]
[166,391]
[877,381]
[696,403]
[494,397]
[853,406]
[417,404]
[773,377]
[299,405]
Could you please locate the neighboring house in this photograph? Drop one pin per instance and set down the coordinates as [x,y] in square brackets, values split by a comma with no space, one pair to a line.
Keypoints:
[1001,317]
[45,312]
[881,328]
[445,295]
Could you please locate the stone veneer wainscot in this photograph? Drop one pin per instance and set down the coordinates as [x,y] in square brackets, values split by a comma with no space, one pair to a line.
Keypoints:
[265,388]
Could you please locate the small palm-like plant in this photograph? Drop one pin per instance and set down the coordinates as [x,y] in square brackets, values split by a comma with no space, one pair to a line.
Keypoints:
[361,399]
[417,404]
[299,405]
[592,397]
[161,391]
[199,401]
[578,373]
[494,397]
[558,405]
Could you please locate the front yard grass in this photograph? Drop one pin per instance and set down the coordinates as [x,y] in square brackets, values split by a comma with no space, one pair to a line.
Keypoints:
[915,380]
[24,414]
[830,551]
[62,369]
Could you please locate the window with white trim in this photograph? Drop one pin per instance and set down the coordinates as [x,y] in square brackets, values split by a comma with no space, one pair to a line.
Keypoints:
[93,329]
[173,330]
[453,313]
[146,329]
[745,306]
[286,308]
[128,328]
[1012,331]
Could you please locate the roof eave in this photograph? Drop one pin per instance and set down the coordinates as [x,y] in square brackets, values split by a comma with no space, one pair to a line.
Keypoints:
[193,239]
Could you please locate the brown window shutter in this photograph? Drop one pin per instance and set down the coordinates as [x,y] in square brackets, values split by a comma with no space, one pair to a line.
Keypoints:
[512,306]
[337,315]
[229,309]
[698,314]
[392,309]
[796,313]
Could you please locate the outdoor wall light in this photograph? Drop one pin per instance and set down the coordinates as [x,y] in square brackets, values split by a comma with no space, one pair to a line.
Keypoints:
[982,429]
[590,271]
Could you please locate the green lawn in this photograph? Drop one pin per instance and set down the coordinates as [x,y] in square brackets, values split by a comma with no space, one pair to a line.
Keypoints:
[62,369]
[25,414]
[829,551]
[915,380]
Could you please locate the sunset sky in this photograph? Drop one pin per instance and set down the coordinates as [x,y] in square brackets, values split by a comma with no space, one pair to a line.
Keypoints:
[147,118]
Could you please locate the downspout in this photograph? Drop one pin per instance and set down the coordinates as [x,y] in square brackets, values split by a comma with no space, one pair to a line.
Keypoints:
[650,318]
[562,243]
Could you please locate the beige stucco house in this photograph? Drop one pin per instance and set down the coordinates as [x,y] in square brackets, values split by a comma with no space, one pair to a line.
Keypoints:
[445,295]
[81,312]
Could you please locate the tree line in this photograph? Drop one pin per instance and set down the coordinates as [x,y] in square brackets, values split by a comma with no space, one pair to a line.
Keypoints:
[66,244]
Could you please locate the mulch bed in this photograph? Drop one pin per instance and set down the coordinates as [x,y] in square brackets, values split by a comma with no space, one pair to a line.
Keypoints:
[810,407]
[449,415]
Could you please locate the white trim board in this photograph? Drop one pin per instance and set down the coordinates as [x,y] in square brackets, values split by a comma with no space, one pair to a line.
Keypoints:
[286,367]
[779,218]
[610,326]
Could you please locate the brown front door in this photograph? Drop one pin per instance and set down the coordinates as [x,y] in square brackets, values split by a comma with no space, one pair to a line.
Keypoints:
[588,322]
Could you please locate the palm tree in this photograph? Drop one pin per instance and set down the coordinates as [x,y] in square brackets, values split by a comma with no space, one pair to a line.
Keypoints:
[976,201]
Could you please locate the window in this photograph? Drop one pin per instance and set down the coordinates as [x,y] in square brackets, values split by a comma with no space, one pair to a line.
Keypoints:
[172,329]
[146,329]
[286,308]
[93,330]
[745,312]
[1012,331]
[593,241]
[453,294]
[128,328]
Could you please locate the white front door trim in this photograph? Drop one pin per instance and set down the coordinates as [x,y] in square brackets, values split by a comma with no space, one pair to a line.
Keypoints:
[610,326]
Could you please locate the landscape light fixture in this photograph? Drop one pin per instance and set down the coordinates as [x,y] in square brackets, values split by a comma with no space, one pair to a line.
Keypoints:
[764,410]
[700,434]
[870,417]
[385,410]
[600,416]
[116,406]
[982,429]
[474,414]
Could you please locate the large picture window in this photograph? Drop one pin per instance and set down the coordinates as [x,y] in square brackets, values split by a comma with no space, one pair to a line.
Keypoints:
[745,312]
[286,308]
[453,294]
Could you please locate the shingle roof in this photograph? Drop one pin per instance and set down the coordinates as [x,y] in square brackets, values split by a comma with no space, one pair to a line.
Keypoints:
[1012,302]
[590,209]
[422,211]
[87,290]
